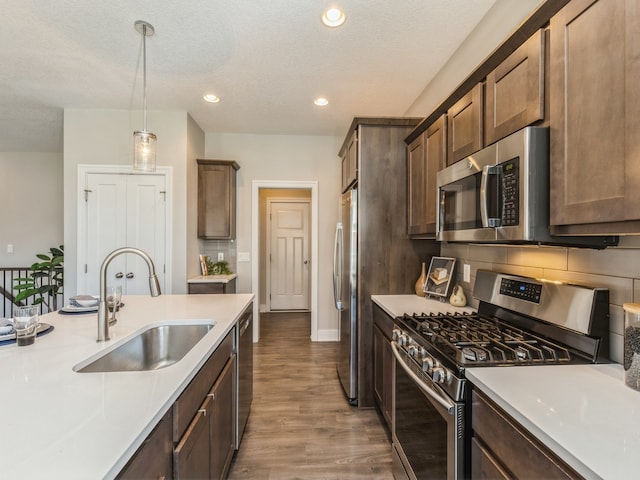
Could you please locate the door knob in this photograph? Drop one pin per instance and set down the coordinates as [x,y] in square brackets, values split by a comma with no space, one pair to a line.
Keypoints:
[306,261]
[130,275]
[119,275]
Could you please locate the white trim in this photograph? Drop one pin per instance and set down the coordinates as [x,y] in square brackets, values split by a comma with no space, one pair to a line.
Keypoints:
[269,201]
[328,335]
[167,172]
[256,185]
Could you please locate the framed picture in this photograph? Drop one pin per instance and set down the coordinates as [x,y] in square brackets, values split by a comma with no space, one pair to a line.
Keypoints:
[439,277]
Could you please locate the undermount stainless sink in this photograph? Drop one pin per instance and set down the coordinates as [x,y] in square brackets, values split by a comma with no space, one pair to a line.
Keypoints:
[156,347]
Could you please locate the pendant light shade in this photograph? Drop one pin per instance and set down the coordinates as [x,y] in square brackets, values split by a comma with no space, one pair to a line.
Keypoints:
[144,142]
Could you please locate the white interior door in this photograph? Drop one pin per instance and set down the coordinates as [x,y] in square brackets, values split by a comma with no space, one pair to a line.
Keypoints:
[123,210]
[289,254]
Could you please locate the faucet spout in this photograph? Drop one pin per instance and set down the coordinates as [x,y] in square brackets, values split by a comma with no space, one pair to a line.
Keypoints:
[103,310]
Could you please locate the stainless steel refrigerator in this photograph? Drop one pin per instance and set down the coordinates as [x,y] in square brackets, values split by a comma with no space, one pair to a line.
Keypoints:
[345,292]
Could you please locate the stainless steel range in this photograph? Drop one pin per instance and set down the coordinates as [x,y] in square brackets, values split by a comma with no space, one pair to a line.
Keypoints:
[520,321]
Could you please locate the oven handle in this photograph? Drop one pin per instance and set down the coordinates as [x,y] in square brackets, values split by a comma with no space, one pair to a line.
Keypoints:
[434,392]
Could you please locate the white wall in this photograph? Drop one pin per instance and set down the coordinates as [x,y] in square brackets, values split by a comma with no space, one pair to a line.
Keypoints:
[195,150]
[282,157]
[499,22]
[105,137]
[30,205]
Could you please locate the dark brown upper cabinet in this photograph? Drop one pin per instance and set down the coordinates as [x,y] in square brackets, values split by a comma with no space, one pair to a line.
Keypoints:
[595,107]
[514,91]
[426,155]
[349,158]
[217,199]
[464,125]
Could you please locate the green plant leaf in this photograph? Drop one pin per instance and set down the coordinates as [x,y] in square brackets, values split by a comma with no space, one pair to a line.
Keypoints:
[44,257]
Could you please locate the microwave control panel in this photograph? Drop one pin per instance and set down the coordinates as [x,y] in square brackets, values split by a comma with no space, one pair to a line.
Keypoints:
[511,192]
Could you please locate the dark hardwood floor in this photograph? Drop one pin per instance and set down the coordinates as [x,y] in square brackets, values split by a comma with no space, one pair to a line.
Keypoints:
[301,426]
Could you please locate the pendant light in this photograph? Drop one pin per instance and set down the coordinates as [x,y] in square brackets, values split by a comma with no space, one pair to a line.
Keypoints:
[144,142]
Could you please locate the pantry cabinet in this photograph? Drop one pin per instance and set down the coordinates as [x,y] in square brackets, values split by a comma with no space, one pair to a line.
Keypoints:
[465,125]
[501,448]
[426,155]
[217,199]
[514,91]
[595,106]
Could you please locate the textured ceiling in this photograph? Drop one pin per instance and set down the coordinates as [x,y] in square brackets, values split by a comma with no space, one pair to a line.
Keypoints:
[266,59]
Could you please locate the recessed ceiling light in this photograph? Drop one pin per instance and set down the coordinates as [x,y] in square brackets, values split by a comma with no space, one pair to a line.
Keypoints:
[211,98]
[321,102]
[333,17]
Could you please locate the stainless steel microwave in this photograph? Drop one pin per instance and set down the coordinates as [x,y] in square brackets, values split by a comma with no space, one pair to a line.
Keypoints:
[501,195]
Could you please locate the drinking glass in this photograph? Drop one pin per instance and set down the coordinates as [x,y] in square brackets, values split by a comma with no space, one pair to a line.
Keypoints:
[25,322]
[114,296]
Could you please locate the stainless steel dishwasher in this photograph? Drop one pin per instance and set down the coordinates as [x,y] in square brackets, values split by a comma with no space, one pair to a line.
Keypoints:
[245,370]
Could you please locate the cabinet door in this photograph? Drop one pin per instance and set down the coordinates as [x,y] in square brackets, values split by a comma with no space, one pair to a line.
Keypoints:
[426,156]
[191,457]
[514,91]
[350,162]
[382,373]
[464,122]
[217,199]
[123,210]
[223,420]
[595,108]
[483,465]
[417,187]
[152,461]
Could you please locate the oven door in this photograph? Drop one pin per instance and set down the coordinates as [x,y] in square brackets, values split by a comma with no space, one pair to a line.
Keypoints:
[427,426]
[468,207]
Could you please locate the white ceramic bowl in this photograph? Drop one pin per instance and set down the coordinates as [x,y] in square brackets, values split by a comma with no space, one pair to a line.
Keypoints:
[85,300]
[5,326]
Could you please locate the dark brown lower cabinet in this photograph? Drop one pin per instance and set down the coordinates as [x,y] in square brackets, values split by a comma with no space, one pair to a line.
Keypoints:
[152,461]
[191,456]
[222,423]
[210,287]
[382,362]
[501,448]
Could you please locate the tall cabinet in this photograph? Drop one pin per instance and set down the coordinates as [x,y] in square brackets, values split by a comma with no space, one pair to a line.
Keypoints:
[388,261]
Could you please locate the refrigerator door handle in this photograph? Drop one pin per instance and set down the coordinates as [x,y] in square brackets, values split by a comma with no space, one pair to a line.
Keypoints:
[337,267]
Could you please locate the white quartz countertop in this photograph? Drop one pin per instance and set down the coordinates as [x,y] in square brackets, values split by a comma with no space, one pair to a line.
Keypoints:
[212,278]
[397,305]
[57,423]
[584,413]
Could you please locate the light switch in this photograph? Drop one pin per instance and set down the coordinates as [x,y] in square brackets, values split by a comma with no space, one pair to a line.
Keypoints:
[466,273]
[244,257]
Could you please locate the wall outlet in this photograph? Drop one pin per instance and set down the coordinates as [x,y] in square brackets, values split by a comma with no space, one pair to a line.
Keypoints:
[10,248]
[220,256]
[466,273]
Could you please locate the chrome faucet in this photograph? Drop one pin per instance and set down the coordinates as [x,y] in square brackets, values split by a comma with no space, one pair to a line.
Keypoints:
[103,310]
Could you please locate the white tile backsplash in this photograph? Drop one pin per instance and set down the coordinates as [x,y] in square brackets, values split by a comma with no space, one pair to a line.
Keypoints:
[615,268]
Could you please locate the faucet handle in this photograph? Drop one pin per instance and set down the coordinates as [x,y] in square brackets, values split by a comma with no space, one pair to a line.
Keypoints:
[119,275]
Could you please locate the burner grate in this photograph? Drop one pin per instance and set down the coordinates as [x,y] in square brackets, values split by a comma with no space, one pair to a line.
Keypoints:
[475,340]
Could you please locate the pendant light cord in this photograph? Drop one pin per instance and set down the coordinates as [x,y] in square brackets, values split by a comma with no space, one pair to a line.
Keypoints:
[144,78]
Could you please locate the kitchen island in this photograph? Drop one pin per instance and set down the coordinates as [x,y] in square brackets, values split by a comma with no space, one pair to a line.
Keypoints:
[62,424]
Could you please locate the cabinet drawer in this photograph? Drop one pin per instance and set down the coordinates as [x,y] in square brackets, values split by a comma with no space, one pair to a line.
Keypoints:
[483,465]
[191,455]
[188,403]
[513,446]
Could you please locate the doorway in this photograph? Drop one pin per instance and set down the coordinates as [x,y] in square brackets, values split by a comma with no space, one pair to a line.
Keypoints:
[278,190]
[287,256]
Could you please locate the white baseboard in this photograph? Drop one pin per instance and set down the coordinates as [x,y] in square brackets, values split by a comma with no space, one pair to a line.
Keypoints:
[328,335]
[263,308]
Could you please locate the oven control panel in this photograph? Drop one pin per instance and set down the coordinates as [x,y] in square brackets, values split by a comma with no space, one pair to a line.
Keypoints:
[530,292]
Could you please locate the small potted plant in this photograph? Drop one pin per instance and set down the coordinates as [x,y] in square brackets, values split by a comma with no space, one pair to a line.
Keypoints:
[44,281]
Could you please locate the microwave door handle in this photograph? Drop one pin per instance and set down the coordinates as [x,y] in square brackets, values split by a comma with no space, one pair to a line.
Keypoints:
[337,267]
[484,197]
